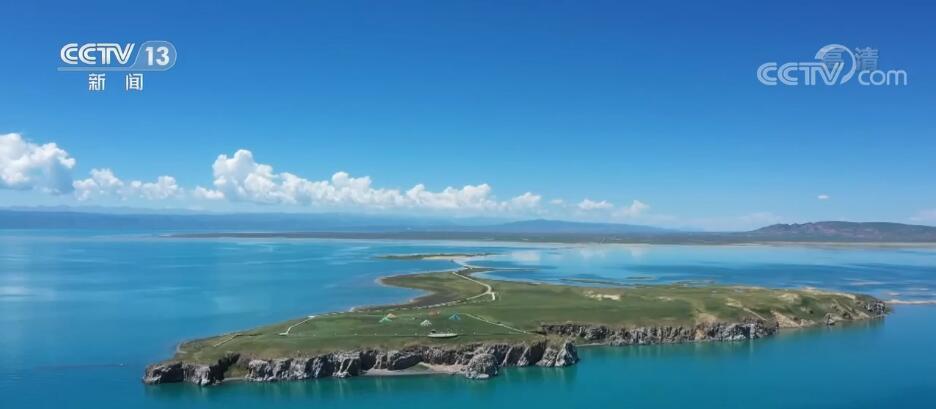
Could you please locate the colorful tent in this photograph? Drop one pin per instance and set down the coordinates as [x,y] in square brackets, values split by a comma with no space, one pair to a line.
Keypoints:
[425,323]
[455,317]
[384,320]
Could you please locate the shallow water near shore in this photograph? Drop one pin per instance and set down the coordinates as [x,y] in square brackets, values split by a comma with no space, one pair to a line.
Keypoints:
[83,312]
[871,365]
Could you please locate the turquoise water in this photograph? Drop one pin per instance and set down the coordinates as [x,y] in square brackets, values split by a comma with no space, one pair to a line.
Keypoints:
[83,313]
[905,274]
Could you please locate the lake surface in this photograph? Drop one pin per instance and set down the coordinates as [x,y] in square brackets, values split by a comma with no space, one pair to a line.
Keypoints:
[82,313]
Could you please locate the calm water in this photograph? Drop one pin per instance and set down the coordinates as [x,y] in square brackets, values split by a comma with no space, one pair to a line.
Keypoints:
[81,314]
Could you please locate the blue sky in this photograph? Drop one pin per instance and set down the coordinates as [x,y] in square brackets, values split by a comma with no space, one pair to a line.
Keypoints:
[650,111]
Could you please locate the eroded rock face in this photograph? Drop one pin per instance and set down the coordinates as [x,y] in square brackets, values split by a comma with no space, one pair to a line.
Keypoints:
[473,360]
[666,334]
[531,354]
[347,364]
[567,356]
[402,360]
[876,308]
[481,366]
[164,373]
[557,356]
[289,369]
[192,373]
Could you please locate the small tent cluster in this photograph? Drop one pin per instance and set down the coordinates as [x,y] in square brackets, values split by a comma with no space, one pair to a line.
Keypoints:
[426,323]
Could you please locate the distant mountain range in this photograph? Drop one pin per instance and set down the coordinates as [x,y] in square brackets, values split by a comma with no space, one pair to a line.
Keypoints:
[847,231]
[335,225]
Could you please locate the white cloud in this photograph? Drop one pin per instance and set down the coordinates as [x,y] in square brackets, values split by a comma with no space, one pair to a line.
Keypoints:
[103,183]
[635,209]
[165,187]
[527,200]
[28,166]
[241,178]
[589,204]
[207,194]
[474,197]
[823,197]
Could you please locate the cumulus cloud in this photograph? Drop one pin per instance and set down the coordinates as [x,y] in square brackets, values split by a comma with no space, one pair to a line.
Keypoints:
[823,197]
[103,183]
[589,204]
[28,166]
[207,194]
[165,187]
[527,200]
[240,177]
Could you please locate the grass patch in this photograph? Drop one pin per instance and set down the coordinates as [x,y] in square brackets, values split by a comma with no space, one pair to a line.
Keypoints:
[506,311]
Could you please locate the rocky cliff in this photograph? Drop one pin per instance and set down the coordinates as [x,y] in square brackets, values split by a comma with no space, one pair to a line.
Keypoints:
[601,334]
[717,331]
[476,361]
[174,372]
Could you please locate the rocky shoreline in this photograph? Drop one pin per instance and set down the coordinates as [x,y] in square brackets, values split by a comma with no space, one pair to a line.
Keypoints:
[474,361]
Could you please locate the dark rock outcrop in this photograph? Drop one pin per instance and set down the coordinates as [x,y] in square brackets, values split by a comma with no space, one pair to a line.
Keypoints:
[402,360]
[347,364]
[463,359]
[289,369]
[481,366]
[876,308]
[562,355]
[664,335]
[203,375]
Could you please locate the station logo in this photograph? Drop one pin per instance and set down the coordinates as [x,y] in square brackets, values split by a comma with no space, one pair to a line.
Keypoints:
[126,61]
[834,64]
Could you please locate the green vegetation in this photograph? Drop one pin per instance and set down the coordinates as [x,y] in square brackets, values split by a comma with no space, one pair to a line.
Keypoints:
[484,310]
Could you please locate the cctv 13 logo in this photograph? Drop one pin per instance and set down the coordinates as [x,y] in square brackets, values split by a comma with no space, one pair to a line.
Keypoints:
[149,56]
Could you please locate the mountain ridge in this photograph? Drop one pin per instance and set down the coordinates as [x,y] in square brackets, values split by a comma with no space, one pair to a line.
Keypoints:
[369,226]
[843,230]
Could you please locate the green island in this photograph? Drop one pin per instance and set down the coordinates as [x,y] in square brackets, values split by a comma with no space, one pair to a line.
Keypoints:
[474,326]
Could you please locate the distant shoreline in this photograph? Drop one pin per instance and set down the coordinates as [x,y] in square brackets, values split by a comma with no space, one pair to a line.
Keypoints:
[558,238]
